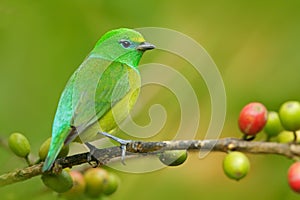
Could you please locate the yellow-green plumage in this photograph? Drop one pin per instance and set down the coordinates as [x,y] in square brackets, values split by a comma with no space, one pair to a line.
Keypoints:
[101,91]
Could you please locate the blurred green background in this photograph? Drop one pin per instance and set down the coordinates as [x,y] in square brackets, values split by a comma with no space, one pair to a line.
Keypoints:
[255,45]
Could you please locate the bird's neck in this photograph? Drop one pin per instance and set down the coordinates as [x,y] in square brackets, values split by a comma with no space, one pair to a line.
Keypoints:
[131,59]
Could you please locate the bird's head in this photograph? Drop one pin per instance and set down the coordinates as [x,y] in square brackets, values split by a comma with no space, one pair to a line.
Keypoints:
[122,45]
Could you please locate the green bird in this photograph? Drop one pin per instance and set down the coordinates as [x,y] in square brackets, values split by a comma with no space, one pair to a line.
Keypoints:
[101,92]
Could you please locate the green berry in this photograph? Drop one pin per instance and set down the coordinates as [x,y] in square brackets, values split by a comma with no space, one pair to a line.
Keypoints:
[112,184]
[236,165]
[173,158]
[287,136]
[273,126]
[58,182]
[19,144]
[43,152]
[289,114]
[95,179]
[78,186]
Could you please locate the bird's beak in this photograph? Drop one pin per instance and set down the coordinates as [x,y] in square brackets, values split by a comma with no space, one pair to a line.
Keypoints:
[144,46]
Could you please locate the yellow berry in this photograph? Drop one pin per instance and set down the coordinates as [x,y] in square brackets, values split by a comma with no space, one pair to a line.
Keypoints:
[95,179]
[43,152]
[112,184]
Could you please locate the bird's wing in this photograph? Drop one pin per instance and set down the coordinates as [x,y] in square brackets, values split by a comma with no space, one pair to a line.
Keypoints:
[97,86]
[92,90]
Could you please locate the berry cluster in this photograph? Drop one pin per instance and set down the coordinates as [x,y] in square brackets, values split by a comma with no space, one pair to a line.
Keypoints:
[69,184]
[282,126]
[75,184]
[92,183]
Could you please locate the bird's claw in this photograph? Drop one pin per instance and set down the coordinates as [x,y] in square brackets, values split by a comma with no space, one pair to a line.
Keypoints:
[91,159]
[123,154]
[122,142]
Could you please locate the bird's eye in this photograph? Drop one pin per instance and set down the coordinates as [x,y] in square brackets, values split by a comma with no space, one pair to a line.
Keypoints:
[125,43]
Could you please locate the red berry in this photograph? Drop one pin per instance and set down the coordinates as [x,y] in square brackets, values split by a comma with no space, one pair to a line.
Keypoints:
[253,118]
[294,177]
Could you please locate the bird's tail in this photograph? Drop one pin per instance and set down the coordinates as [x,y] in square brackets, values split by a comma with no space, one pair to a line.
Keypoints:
[55,146]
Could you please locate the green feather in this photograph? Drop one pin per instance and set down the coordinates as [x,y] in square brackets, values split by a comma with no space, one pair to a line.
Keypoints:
[101,91]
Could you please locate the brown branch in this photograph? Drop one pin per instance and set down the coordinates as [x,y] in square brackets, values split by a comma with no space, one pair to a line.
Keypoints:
[134,148]
[20,174]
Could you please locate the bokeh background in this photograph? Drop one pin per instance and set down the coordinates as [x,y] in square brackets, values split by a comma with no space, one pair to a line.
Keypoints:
[255,45]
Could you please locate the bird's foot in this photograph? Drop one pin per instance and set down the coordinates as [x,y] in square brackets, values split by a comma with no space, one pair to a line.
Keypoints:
[91,159]
[122,142]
